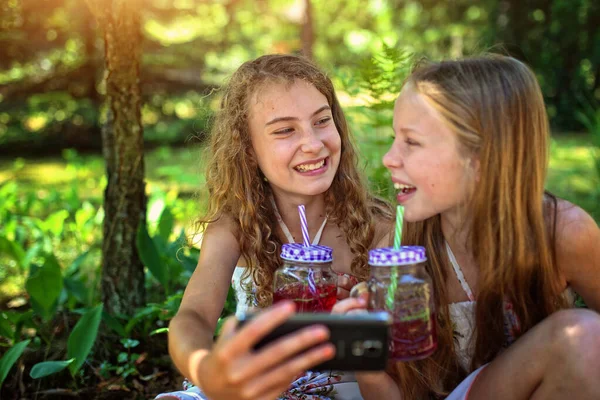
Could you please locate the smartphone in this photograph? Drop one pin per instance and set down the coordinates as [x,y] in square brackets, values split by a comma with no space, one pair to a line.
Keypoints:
[361,340]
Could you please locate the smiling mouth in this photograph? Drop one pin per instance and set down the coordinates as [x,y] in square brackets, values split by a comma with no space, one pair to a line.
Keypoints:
[311,167]
[404,189]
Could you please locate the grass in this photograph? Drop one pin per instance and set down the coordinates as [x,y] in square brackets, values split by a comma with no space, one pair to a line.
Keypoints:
[571,174]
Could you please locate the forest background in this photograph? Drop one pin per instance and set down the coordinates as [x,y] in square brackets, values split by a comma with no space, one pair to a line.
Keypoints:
[106,104]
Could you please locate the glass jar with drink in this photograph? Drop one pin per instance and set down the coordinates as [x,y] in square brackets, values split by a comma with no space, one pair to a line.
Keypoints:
[306,278]
[400,285]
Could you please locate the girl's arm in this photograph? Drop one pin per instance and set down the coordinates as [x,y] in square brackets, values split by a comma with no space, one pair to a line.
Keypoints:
[578,252]
[191,330]
[230,369]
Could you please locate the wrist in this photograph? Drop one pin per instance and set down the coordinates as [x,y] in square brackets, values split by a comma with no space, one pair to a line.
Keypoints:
[195,366]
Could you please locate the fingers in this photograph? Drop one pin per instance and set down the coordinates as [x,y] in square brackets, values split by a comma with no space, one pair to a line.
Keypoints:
[351,303]
[280,351]
[342,293]
[279,379]
[346,281]
[245,338]
[228,327]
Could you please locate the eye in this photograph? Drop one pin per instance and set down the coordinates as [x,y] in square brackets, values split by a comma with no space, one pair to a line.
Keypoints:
[411,142]
[323,120]
[283,131]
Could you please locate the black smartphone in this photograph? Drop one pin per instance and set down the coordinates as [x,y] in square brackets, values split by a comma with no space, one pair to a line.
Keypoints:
[361,340]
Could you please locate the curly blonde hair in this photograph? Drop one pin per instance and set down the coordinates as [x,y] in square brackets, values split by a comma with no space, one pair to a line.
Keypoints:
[237,189]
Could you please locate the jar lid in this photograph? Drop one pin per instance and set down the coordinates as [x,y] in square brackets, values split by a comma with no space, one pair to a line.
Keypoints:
[388,256]
[310,254]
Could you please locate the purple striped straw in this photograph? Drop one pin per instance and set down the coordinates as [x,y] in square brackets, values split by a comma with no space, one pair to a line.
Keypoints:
[304,225]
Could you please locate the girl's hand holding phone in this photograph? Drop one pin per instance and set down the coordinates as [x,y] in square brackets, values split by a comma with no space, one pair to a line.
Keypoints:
[372,384]
[233,370]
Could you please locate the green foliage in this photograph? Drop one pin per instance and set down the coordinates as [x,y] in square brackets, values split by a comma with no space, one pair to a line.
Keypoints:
[589,116]
[44,287]
[50,247]
[126,361]
[377,82]
[43,369]
[83,337]
[50,61]
[150,257]
[10,358]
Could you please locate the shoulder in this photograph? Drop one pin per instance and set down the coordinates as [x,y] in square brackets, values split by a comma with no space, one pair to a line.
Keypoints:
[222,231]
[573,224]
[577,239]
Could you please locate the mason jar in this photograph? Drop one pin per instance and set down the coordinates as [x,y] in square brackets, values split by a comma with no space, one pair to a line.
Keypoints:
[306,278]
[400,285]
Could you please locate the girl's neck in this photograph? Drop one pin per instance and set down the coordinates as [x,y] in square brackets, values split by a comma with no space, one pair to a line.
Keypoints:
[455,229]
[288,209]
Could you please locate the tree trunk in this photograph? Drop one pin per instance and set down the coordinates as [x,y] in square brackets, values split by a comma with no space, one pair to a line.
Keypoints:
[123,147]
[308,35]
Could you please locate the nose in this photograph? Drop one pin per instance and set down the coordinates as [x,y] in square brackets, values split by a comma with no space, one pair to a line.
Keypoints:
[393,159]
[311,142]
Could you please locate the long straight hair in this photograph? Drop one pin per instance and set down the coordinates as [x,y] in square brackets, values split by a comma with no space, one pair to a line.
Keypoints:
[495,107]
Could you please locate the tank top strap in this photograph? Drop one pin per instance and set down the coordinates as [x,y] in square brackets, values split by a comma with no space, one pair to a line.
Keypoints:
[459,273]
[287,232]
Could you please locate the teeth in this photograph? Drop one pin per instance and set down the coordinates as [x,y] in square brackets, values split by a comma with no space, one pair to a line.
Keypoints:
[399,186]
[310,167]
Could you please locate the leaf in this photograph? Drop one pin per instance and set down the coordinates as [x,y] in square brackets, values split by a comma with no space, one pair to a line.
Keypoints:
[156,204]
[150,256]
[165,223]
[56,222]
[77,289]
[6,327]
[74,267]
[83,215]
[159,330]
[10,358]
[113,324]
[14,250]
[31,254]
[44,287]
[82,339]
[140,315]
[46,368]
[122,357]
[130,343]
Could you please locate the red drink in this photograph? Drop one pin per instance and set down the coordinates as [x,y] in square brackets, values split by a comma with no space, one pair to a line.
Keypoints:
[306,299]
[413,339]
[400,285]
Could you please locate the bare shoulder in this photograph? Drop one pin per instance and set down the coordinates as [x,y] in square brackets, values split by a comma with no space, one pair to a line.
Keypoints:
[578,251]
[219,243]
[575,228]
[208,286]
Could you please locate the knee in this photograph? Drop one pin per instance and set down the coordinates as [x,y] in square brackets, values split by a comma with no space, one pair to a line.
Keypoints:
[575,338]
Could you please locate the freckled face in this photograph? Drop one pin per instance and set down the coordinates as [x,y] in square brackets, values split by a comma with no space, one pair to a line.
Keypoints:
[295,139]
[427,170]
